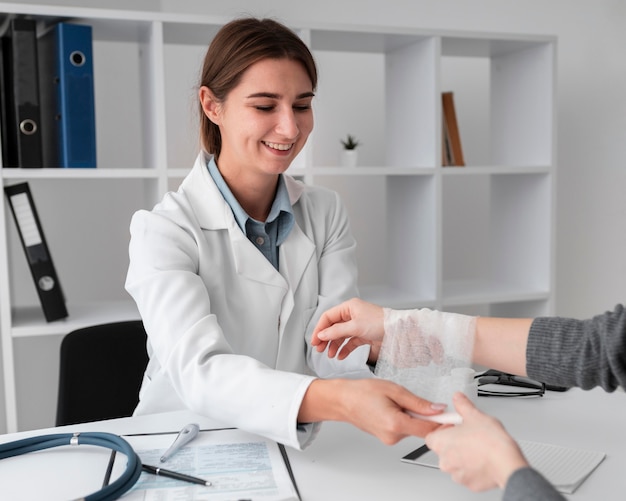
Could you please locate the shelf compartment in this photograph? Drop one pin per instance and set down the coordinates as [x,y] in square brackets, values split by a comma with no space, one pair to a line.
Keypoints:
[86,226]
[498,230]
[121,134]
[504,98]
[394,115]
[391,218]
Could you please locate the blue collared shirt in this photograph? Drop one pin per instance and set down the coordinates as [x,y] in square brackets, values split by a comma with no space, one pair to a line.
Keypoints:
[266,236]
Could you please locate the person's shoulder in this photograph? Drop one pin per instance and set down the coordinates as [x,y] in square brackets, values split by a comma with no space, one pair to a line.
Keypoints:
[184,209]
[173,210]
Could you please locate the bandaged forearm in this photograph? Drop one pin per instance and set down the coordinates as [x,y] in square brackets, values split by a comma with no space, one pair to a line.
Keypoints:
[427,351]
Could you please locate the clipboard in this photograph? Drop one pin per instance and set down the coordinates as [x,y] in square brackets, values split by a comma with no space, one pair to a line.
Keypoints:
[240,465]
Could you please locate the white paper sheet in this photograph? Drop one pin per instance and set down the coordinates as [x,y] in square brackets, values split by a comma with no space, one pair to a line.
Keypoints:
[239,466]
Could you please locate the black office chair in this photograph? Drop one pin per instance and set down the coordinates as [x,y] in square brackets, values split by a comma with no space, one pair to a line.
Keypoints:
[101,372]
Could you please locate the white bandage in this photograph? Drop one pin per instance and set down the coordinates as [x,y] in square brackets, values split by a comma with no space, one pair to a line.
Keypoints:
[428,352]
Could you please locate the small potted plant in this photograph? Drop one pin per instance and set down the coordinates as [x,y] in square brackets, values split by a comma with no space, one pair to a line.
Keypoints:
[349,154]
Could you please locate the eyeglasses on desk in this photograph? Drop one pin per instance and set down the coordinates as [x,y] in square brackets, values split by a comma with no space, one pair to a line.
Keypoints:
[512,385]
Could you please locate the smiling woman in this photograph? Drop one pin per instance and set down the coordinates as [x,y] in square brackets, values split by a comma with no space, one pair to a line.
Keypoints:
[231,272]
[261,132]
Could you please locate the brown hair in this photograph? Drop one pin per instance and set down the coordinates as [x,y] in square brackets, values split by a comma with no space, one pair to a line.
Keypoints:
[238,45]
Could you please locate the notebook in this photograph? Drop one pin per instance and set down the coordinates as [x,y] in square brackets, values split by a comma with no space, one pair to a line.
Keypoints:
[564,467]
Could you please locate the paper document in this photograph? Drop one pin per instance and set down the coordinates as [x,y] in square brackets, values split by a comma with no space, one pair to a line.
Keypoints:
[239,466]
[564,467]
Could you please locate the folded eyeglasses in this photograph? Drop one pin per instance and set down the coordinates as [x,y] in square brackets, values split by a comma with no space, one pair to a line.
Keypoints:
[512,385]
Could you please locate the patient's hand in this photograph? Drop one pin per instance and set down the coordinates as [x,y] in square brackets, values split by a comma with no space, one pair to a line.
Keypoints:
[479,453]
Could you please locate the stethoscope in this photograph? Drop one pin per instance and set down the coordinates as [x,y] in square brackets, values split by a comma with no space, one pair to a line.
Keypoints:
[107,440]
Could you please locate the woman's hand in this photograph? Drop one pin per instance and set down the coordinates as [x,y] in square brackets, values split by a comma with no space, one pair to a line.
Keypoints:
[376,406]
[479,453]
[355,322]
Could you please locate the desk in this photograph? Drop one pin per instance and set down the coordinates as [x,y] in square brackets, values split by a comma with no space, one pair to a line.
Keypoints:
[346,464]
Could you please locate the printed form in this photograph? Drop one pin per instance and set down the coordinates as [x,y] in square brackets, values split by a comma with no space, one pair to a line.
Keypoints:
[239,465]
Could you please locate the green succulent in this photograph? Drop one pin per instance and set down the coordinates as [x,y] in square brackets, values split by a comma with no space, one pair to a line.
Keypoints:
[350,143]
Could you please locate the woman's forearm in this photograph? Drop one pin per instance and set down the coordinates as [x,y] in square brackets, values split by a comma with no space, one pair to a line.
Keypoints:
[321,401]
[500,343]
[373,405]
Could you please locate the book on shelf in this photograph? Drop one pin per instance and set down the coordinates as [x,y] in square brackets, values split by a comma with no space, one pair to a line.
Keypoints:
[36,249]
[21,132]
[452,149]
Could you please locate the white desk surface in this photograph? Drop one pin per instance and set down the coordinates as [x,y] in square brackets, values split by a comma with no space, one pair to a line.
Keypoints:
[347,464]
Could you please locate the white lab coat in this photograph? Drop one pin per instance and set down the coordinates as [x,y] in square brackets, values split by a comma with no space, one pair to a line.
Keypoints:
[228,335]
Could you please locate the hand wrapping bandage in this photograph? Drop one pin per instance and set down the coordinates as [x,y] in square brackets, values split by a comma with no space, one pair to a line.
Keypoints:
[428,352]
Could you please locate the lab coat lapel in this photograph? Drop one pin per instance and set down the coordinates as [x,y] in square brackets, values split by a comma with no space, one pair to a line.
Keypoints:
[214,214]
[298,249]
[253,265]
[295,254]
[210,209]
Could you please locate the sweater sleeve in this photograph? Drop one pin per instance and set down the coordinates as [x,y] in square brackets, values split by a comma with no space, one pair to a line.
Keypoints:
[583,353]
[527,484]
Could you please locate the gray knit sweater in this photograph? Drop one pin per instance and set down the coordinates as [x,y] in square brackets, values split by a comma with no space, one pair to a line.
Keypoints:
[568,352]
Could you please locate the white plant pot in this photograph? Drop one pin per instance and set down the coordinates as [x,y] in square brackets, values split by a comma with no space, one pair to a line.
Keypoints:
[349,158]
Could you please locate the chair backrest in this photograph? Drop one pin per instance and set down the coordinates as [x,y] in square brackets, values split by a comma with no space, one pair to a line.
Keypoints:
[100,373]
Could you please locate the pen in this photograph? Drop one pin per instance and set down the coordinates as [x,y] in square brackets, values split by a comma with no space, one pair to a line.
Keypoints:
[155,470]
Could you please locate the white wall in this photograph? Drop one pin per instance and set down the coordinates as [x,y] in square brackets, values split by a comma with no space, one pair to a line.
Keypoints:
[591,234]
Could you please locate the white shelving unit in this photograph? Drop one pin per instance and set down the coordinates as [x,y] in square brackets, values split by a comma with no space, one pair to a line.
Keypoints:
[477,238]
